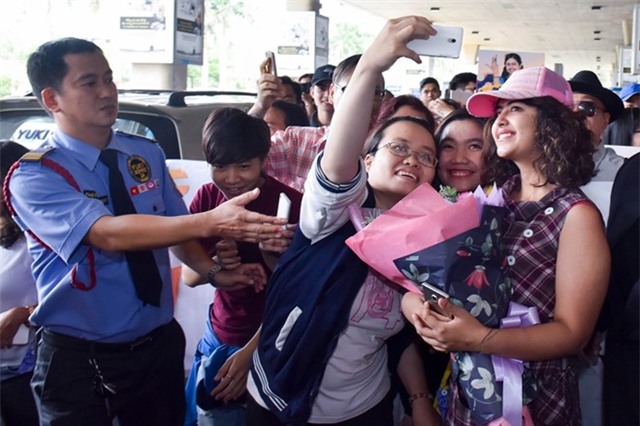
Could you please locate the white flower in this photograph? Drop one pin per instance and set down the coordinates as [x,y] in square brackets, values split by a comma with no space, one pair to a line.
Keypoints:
[466,366]
[485,383]
[414,275]
[479,305]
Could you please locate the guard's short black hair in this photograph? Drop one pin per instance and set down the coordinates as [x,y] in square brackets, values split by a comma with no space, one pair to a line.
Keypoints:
[46,66]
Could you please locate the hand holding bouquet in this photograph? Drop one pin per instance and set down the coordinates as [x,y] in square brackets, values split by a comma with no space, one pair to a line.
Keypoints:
[456,248]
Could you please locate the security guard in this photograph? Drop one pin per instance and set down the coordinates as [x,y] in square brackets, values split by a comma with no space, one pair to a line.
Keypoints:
[100,210]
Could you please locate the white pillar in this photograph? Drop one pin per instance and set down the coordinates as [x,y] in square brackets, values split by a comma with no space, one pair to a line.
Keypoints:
[158,76]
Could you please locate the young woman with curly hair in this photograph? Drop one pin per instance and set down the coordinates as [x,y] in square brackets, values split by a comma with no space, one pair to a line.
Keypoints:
[553,242]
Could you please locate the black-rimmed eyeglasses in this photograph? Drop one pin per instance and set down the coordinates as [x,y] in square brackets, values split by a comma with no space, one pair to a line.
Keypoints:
[425,158]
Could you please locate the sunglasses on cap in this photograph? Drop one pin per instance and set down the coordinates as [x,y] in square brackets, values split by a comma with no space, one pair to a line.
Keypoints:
[587,107]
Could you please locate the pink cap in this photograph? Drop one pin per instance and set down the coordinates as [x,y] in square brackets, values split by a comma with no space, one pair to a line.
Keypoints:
[534,82]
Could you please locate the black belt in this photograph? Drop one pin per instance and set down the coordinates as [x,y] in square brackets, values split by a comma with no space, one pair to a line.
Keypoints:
[73,343]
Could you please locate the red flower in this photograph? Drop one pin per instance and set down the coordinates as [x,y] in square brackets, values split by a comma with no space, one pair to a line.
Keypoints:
[477,278]
[463,253]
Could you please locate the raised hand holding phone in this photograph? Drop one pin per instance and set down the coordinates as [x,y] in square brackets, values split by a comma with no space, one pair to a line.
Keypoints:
[446,43]
[270,63]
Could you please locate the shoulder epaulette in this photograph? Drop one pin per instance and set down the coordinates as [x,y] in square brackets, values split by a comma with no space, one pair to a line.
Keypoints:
[134,136]
[37,154]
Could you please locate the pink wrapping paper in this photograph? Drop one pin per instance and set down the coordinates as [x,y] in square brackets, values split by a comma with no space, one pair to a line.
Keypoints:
[422,219]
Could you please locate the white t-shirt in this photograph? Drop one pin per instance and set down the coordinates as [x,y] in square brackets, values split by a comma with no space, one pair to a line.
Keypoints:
[356,377]
[17,288]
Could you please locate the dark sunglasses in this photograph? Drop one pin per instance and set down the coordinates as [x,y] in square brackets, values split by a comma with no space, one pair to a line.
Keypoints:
[587,107]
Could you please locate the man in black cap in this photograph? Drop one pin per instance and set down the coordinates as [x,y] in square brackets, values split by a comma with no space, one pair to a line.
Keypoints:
[600,106]
[320,85]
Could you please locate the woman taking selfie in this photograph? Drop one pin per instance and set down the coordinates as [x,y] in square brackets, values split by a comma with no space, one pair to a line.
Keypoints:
[322,356]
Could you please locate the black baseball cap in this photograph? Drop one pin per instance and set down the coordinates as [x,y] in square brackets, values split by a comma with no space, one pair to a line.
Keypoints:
[323,73]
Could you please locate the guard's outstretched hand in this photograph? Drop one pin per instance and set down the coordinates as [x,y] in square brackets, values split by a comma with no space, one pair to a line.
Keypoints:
[231,220]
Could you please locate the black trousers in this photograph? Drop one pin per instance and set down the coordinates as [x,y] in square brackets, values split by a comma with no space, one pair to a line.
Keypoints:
[147,375]
[17,407]
[379,415]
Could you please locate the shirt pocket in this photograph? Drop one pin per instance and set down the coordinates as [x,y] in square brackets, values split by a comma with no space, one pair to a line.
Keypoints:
[150,202]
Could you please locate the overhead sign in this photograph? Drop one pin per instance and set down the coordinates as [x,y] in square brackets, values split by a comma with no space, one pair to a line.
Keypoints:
[162,31]
[302,42]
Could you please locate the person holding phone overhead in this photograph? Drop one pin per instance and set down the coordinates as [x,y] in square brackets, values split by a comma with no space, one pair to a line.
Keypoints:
[217,380]
[553,240]
[322,356]
[293,150]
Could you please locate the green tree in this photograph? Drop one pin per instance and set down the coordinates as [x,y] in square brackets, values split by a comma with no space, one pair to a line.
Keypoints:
[346,40]
[218,45]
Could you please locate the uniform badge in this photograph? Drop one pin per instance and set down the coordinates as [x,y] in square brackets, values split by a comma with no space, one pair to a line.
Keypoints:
[93,194]
[139,168]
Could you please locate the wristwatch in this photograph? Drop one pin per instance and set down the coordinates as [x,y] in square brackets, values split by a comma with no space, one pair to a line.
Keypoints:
[211,274]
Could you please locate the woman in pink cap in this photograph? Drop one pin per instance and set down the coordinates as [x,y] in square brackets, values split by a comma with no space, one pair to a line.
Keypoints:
[555,249]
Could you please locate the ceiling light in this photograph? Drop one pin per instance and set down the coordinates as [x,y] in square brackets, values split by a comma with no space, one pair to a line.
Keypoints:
[597,32]
[596,7]
[597,38]
[475,32]
[487,39]
[434,9]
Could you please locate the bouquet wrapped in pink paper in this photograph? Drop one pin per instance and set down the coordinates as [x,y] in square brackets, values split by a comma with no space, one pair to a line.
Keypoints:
[456,248]
[421,219]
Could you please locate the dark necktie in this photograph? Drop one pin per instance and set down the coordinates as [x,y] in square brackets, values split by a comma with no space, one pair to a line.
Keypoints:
[142,264]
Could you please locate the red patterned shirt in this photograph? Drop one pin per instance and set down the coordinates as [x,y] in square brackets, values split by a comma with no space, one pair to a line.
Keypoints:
[292,153]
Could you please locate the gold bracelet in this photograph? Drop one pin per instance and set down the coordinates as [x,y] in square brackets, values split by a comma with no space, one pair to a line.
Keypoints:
[419,395]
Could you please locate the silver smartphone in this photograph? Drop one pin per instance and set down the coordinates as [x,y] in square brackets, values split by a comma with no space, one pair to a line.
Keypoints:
[270,68]
[431,295]
[447,43]
[284,206]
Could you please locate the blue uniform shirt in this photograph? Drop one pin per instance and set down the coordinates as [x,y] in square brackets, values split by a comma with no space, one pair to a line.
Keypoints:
[104,308]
